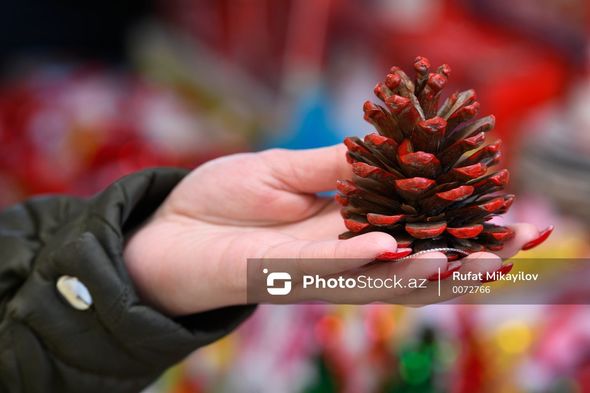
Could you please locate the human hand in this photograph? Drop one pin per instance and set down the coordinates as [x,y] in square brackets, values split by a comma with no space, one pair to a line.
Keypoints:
[191,255]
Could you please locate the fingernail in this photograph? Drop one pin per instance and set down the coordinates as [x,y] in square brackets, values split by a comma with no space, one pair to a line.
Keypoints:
[540,239]
[390,256]
[504,269]
[451,267]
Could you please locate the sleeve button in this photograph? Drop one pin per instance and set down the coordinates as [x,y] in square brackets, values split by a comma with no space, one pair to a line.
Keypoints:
[74,292]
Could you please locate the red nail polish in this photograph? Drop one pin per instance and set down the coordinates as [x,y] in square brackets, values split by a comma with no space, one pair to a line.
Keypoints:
[504,269]
[540,239]
[446,274]
[390,256]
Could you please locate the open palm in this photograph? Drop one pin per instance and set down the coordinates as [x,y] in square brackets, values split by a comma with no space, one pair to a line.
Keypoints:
[191,256]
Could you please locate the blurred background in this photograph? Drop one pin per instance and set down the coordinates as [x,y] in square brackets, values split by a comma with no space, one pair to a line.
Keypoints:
[93,90]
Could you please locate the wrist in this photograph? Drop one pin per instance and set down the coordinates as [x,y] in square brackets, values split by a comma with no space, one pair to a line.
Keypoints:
[139,255]
[171,273]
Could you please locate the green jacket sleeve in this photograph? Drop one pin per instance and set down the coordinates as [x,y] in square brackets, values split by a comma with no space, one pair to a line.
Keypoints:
[118,344]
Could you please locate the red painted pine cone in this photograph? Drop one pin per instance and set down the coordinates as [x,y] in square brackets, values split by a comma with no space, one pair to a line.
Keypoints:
[426,177]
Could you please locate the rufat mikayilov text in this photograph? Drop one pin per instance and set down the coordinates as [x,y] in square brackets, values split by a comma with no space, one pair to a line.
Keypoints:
[495,276]
[362,282]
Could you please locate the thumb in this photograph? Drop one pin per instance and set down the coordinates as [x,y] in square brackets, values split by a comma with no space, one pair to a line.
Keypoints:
[309,171]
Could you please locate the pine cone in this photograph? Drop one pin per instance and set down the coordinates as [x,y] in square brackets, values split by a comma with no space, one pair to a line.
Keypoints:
[425,177]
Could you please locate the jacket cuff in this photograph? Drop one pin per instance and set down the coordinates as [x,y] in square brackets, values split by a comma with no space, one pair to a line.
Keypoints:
[117,338]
